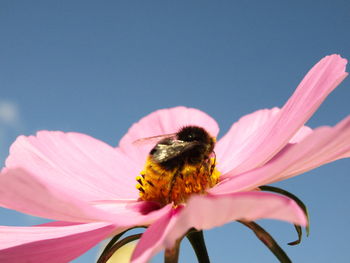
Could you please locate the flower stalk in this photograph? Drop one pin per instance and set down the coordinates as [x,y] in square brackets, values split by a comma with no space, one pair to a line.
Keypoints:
[197,241]
[171,255]
[111,249]
[299,203]
[268,241]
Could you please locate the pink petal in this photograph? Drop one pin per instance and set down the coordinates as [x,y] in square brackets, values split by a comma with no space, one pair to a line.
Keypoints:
[199,214]
[25,193]
[133,213]
[50,243]
[301,134]
[323,145]
[248,206]
[234,140]
[152,240]
[268,137]
[77,163]
[165,121]
[326,144]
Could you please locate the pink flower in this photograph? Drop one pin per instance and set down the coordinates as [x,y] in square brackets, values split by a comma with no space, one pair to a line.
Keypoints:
[89,187]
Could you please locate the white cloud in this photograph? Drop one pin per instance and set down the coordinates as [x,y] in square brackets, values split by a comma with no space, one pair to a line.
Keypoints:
[9,114]
[10,126]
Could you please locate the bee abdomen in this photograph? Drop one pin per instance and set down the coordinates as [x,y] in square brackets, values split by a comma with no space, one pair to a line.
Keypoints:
[175,186]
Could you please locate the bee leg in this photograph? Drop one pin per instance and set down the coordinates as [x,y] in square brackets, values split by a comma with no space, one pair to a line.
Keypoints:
[212,167]
[172,183]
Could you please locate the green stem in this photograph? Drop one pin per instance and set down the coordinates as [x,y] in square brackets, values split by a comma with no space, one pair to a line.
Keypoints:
[268,241]
[196,239]
[110,244]
[112,249]
[292,196]
[171,255]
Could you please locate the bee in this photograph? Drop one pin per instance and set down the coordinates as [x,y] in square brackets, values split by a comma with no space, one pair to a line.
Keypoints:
[190,145]
[178,165]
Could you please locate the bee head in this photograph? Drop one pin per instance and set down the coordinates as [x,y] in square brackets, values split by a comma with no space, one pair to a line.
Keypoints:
[194,133]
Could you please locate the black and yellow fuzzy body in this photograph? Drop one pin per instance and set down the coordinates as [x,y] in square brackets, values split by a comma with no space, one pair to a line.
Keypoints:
[178,166]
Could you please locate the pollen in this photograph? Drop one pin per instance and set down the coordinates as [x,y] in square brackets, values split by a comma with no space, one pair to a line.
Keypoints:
[175,186]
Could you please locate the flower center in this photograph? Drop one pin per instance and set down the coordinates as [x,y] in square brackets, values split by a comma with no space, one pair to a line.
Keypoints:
[159,185]
[179,166]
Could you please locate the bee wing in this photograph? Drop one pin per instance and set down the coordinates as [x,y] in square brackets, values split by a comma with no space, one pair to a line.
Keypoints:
[153,139]
[170,149]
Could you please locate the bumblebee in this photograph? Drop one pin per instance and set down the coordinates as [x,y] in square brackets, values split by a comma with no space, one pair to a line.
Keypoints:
[179,165]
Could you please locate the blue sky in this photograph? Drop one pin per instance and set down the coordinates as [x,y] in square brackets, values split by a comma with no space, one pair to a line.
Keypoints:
[98,66]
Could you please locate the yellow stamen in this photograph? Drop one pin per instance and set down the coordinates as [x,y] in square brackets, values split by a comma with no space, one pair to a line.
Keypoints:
[164,186]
